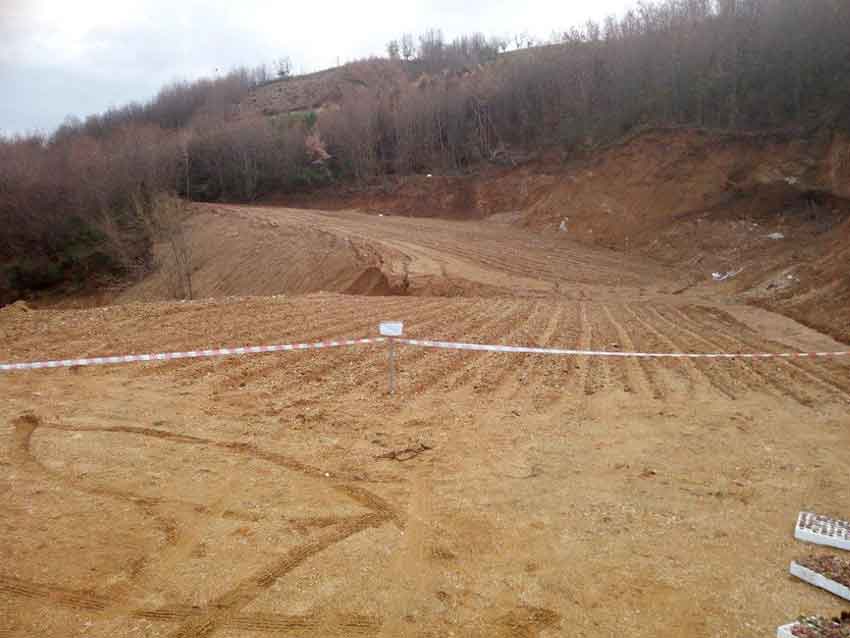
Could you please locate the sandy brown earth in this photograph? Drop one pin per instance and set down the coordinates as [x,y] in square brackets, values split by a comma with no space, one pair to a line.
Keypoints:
[242,250]
[494,495]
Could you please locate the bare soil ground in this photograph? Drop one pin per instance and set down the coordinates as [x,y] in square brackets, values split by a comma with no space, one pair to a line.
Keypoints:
[240,250]
[494,495]
[773,207]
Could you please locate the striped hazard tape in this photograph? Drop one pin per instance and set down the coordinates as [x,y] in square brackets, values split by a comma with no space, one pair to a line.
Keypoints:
[446,345]
[192,354]
[451,345]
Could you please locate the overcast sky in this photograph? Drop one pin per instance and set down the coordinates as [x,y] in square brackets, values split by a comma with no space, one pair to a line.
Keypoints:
[63,57]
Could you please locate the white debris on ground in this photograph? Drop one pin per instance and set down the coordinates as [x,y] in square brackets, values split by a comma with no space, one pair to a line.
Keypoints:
[776,236]
[563,227]
[723,276]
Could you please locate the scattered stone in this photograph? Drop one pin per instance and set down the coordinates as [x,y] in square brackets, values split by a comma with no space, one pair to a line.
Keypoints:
[406,454]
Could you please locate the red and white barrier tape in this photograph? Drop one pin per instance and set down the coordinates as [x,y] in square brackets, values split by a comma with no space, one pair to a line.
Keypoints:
[192,354]
[446,345]
[450,345]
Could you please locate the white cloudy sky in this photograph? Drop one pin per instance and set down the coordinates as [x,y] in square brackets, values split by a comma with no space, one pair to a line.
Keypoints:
[59,57]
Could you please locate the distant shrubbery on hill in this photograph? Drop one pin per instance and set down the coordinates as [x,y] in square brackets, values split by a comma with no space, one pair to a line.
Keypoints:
[76,202]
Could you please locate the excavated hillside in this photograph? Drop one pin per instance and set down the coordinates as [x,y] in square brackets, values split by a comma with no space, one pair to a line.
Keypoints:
[772,209]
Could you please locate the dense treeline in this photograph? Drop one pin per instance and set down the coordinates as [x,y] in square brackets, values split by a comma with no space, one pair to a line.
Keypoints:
[81,200]
[730,64]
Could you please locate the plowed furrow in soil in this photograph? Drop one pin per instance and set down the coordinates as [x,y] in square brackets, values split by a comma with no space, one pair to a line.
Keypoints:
[759,375]
[370,367]
[700,369]
[341,324]
[486,372]
[440,364]
[531,369]
[672,374]
[637,378]
[791,369]
[598,368]
[314,364]
[348,324]
[827,372]
[581,380]
[730,371]
[562,377]
[348,362]
[463,365]
[504,372]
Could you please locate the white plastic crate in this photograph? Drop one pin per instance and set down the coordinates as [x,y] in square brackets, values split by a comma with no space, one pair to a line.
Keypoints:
[819,580]
[785,631]
[823,530]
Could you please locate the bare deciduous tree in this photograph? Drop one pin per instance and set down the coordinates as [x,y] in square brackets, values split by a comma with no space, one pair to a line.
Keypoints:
[393,49]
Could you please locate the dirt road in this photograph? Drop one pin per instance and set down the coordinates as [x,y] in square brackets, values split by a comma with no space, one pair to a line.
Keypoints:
[494,495]
[261,251]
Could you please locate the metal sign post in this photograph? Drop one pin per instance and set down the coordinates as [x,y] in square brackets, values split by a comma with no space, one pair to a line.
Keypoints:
[391,330]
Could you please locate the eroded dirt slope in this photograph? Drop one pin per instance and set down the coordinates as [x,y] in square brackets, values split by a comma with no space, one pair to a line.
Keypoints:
[238,250]
[776,208]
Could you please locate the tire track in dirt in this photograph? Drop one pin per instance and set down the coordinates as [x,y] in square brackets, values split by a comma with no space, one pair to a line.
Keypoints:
[758,378]
[223,608]
[21,454]
[339,624]
[84,600]
[638,378]
[700,368]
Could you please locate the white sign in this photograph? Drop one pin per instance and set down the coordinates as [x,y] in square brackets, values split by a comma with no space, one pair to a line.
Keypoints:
[392,328]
